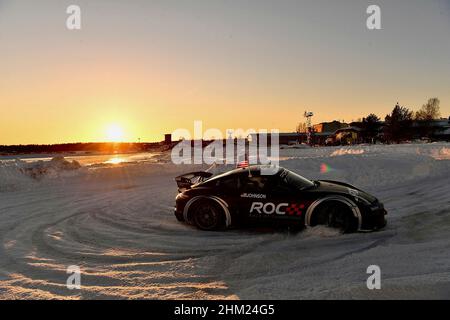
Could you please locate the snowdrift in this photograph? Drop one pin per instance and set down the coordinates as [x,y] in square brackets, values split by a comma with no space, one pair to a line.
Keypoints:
[19,174]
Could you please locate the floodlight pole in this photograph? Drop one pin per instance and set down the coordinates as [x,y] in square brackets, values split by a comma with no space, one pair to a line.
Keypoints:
[308,115]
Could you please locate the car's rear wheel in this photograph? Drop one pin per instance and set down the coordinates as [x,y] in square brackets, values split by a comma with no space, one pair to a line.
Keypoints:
[207,215]
[336,215]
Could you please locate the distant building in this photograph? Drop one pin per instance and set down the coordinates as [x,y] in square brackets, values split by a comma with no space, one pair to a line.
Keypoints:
[348,135]
[438,129]
[329,127]
[321,132]
[168,138]
[289,138]
[442,129]
[324,130]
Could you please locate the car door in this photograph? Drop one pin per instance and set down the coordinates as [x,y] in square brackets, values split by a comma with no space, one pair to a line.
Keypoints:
[288,200]
[263,198]
[252,196]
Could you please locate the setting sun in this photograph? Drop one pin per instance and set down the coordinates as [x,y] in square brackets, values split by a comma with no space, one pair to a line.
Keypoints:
[114,133]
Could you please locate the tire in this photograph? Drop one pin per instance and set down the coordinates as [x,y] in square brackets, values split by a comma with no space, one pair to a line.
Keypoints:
[207,215]
[336,215]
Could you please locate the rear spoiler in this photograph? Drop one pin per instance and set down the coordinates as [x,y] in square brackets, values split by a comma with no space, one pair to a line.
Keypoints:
[185,181]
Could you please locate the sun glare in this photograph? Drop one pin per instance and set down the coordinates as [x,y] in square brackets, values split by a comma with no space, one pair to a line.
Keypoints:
[114,133]
[115,160]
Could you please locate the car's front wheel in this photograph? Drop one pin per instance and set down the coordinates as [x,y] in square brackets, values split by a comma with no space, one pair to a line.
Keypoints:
[335,215]
[207,215]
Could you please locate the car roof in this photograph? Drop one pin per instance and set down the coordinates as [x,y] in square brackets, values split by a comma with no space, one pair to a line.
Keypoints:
[254,170]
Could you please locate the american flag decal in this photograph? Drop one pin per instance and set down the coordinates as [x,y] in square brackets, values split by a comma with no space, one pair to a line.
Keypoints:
[242,164]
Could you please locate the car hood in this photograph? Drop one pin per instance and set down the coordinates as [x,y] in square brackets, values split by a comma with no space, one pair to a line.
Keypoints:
[329,186]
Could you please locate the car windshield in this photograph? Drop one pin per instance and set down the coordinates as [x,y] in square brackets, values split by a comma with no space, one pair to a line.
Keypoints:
[296,180]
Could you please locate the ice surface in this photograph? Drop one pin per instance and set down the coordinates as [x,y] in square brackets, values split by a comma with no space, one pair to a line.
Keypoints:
[117,224]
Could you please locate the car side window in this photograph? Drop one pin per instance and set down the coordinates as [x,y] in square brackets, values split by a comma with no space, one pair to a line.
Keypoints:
[256,184]
[280,187]
[228,184]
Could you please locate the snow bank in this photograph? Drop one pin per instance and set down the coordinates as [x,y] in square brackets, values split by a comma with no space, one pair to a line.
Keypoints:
[53,168]
[12,177]
[373,166]
[345,151]
[441,154]
[18,174]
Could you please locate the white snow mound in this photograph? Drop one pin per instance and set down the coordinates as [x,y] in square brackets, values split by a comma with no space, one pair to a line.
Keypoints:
[18,174]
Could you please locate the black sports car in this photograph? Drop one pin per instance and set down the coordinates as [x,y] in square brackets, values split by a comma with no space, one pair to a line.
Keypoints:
[246,196]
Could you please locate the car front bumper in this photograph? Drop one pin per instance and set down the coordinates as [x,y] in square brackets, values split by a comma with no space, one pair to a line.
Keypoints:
[178,214]
[375,220]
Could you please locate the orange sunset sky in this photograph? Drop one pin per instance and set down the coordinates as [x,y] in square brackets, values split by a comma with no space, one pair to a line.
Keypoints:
[139,69]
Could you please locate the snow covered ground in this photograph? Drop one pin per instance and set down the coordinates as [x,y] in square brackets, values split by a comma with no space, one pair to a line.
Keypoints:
[116,223]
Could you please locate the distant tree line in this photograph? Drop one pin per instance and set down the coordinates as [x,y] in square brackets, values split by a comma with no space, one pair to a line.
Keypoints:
[400,125]
[103,147]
